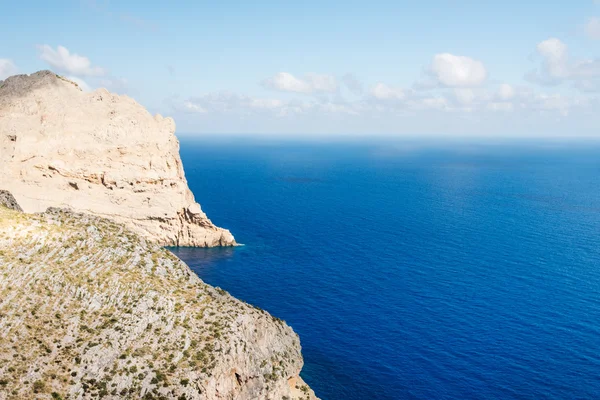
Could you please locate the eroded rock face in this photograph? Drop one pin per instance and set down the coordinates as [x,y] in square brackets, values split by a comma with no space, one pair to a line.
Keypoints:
[98,153]
[90,310]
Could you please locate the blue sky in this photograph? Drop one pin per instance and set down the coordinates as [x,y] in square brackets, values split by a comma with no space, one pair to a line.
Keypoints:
[441,67]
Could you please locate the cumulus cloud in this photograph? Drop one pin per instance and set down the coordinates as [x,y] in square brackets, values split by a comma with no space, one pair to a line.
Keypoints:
[557,67]
[506,92]
[592,28]
[69,63]
[382,91]
[555,55]
[456,87]
[7,68]
[193,107]
[503,99]
[409,100]
[529,102]
[387,103]
[228,102]
[450,70]
[309,84]
[225,102]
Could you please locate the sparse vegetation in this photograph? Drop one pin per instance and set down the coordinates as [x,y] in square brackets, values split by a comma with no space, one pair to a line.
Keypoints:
[81,288]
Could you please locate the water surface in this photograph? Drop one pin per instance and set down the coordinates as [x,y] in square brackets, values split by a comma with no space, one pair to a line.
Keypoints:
[413,271]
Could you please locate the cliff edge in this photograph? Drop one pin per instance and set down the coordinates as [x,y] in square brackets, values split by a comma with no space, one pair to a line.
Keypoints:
[98,153]
[90,310]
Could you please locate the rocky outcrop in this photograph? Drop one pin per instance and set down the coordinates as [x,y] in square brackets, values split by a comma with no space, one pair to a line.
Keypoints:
[90,310]
[98,153]
[7,200]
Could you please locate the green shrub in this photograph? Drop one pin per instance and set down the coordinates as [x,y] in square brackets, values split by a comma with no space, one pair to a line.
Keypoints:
[39,386]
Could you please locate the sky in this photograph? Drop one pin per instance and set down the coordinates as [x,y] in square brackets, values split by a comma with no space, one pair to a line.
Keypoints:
[433,67]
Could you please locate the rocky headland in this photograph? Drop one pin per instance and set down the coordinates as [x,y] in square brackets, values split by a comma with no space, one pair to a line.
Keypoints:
[98,153]
[90,310]
[91,305]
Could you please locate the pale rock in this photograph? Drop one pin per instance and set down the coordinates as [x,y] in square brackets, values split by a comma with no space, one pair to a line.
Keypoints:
[98,153]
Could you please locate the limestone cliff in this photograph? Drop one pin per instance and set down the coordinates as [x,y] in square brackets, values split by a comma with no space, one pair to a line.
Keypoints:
[89,310]
[98,153]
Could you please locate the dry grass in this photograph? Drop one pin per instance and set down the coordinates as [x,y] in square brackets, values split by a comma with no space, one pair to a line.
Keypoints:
[89,310]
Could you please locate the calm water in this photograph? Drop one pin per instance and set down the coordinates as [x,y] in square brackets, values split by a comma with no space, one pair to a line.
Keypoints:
[415,272]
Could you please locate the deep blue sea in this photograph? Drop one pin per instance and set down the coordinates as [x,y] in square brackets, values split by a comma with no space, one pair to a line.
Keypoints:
[437,270]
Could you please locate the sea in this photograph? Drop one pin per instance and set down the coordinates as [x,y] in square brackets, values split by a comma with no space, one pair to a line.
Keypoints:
[410,268]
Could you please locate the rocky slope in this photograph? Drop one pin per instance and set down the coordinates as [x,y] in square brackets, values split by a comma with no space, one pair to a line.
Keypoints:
[90,310]
[98,153]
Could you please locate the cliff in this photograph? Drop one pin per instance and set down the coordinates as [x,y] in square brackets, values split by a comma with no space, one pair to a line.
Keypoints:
[89,310]
[98,153]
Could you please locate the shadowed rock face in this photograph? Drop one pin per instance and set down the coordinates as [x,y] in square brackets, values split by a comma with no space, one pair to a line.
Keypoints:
[90,310]
[7,200]
[98,153]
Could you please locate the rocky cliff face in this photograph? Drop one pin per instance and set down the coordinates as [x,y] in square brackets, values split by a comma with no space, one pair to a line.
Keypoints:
[98,153]
[90,310]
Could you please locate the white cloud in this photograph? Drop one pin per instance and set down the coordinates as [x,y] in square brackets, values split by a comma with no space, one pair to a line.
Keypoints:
[501,106]
[554,102]
[586,69]
[384,92]
[266,104]
[7,68]
[555,57]
[311,83]
[229,102]
[457,71]
[322,83]
[464,96]
[435,103]
[592,28]
[557,67]
[505,98]
[63,61]
[506,92]
[192,107]
[233,104]
[287,82]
